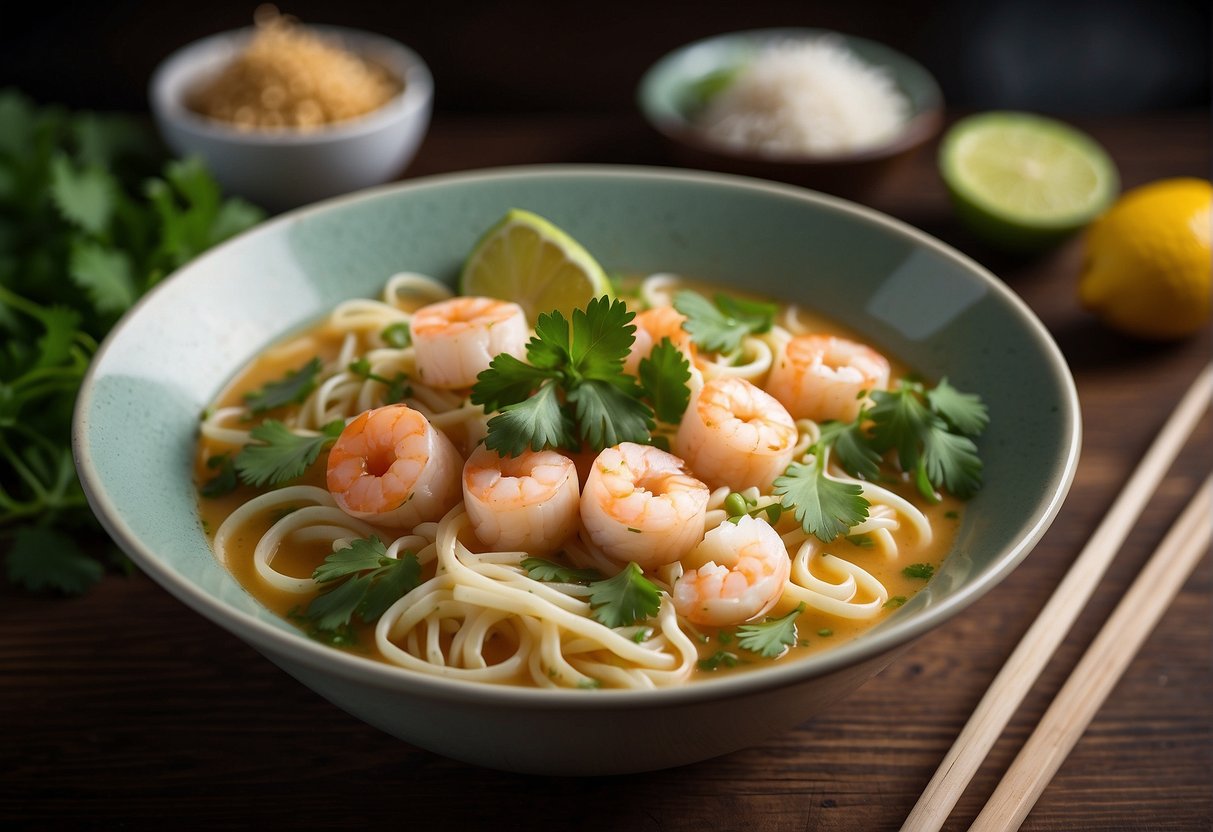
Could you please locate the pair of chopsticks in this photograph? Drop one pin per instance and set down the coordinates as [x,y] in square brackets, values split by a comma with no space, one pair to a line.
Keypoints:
[1105,660]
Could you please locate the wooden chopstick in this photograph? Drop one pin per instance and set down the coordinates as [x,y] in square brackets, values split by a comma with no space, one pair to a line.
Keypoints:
[1038,644]
[1101,666]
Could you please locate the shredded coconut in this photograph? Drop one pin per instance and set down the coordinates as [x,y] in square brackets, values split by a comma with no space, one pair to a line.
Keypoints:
[807,97]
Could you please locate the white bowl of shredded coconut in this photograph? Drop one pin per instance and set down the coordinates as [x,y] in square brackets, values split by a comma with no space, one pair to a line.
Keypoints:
[803,105]
[285,114]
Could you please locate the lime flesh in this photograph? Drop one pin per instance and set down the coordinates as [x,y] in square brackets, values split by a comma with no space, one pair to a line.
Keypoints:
[1022,181]
[526,259]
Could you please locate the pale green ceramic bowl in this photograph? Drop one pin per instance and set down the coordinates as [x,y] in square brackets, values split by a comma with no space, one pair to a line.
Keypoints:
[137,418]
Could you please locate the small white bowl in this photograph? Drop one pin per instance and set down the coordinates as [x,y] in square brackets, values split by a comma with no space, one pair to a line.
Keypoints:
[285,168]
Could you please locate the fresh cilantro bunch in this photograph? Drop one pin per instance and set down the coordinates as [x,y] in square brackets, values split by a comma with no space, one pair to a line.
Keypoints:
[84,232]
[572,388]
[929,432]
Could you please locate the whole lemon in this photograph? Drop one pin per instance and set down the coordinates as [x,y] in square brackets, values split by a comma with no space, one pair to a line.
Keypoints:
[1148,263]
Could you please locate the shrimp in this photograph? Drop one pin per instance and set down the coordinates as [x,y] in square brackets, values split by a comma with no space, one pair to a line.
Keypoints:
[735,574]
[639,504]
[822,377]
[651,326]
[391,467]
[736,434]
[528,502]
[456,339]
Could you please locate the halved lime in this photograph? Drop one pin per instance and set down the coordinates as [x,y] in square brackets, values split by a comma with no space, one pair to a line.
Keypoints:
[526,259]
[1022,181]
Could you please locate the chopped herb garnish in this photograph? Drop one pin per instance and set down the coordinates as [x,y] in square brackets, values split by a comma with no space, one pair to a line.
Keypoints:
[545,570]
[664,375]
[720,326]
[922,571]
[825,632]
[719,659]
[772,637]
[895,602]
[397,335]
[292,388]
[863,541]
[371,582]
[624,599]
[398,388]
[225,481]
[280,454]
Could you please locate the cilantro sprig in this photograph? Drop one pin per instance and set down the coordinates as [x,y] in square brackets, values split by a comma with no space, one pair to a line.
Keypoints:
[824,507]
[720,324]
[620,601]
[91,217]
[364,581]
[279,454]
[572,388]
[772,637]
[292,388]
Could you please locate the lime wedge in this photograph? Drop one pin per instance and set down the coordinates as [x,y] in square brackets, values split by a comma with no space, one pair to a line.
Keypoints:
[526,259]
[1024,182]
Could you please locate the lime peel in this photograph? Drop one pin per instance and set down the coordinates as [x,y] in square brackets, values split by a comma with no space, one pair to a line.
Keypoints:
[1022,181]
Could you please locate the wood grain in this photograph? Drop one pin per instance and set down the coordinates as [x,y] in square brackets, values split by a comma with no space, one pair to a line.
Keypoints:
[125,709]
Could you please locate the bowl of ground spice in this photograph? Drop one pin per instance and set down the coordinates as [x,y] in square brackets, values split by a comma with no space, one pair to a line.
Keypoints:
[286,114]
[808,106]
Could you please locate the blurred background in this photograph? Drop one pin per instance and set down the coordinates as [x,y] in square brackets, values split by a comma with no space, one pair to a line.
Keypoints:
[1079,57]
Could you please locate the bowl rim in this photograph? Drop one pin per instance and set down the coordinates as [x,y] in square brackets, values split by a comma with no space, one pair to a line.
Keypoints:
[304,652]
[176,72]
[924,123]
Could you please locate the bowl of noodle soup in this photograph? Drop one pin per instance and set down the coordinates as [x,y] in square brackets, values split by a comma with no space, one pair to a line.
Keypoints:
[480,654]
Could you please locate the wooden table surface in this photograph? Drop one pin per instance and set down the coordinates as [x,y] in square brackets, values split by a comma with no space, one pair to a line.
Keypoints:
[125,709]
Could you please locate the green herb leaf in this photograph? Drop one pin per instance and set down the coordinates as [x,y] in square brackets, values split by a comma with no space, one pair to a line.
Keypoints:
[965,413]
[719,659]
[665,375]
[373,581]
[607,415]
[922,571]
[535,423]
[397,335]
[42,559]
[292,388]
[624,599]
[899,421]
[721,326]
[772,637]
[539,569]
[951,461]
[225,481]
[851,449]
[106,274]
[824,507]
[85,197]
[894,602]
[602,335]
[281,454]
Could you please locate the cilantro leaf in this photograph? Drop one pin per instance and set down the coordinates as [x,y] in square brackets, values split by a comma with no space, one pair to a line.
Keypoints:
[607,415]
[719,659]
[507,381]
[964,412]
[84,196]
[899,420]
[225,481]
[824,507]
[851,448]
[951,461]
[42,559]
[373,581]
[292,388]
[665,375]
[923,571]
[281,454]
[539,569]
[720,326]
[573,387]
[624,599]
[105,273]
[535,423]
[602,335]
[772,637]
